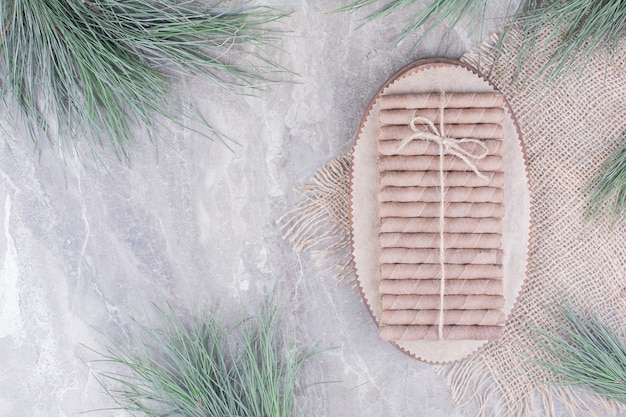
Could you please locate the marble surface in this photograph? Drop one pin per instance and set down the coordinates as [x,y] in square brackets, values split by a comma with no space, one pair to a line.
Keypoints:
[192,223]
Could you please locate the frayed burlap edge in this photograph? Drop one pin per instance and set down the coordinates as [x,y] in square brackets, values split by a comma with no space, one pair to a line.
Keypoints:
[478,393]
[319,222]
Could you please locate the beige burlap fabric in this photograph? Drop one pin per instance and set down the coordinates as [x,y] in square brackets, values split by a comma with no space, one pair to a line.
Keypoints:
[569,129]
[320,222]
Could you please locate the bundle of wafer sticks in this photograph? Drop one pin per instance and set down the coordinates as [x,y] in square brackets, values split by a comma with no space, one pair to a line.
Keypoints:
[441,207]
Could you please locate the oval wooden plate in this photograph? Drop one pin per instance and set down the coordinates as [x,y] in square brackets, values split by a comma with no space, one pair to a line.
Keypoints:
[436,75]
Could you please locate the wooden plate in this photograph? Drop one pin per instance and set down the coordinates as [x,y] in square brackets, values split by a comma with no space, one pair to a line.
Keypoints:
[435,75]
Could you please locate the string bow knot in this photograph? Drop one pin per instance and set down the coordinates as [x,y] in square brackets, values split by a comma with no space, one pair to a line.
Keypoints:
[451,146]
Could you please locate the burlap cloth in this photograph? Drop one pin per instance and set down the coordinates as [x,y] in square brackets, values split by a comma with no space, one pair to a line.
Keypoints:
[569,129]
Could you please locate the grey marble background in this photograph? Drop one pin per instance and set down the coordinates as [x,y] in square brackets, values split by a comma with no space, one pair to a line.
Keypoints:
[83,250]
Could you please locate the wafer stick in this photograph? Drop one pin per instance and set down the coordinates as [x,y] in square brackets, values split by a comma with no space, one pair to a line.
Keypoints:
[457,131]
[433,286]
[411,333]
[433,271]
[431,256]
[431,162]
[423,147]
[428,225]
[450,302]
[450,317]
[432,240]
[434,100]
[453,195]
[395,209]
[431,179]
[452,116]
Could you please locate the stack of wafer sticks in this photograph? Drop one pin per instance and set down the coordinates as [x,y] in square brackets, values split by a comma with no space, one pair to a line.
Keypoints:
[412,229]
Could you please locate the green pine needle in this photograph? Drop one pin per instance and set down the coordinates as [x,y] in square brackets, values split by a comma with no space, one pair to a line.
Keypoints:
[607,192]
[436,13]
[97,70]
[204,369]
[578,29]
[583,352]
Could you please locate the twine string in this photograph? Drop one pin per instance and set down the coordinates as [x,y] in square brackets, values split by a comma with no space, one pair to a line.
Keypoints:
[447,146]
